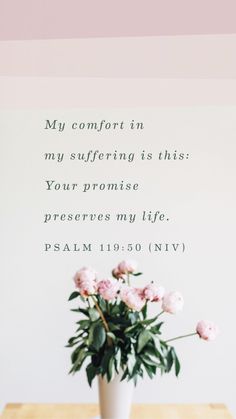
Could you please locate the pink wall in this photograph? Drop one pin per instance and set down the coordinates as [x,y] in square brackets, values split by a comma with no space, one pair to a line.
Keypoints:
[34,19]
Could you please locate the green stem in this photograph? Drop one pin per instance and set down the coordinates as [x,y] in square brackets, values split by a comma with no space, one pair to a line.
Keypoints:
[181,337]
[160,313]
[100,313]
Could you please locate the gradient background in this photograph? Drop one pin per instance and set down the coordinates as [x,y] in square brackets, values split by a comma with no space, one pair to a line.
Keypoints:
[58,56]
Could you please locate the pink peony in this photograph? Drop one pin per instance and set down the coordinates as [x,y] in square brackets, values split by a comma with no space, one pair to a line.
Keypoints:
[108,289]
[86,273]
[133,297]
[85,281]
[172,302]
[127,266]
[153,293]
[117,274]
[207,330]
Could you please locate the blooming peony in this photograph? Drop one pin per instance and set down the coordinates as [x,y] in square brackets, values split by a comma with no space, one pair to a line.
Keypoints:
[132,297]
[86,281]
[172,302]
[108,289]
[153,293]
[86,273]
[207,330]
[127,266]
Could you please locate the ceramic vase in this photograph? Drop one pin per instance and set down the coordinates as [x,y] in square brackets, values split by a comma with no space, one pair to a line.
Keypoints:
[115,397]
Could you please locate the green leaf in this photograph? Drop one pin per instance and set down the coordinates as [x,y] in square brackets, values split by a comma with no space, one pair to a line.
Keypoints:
[113,326]
[170,360]
[99,336]
[93,314]
[131,363]
[84,311]
[84,324]
[144,337]
[74,295]
[79,360]
[105,361]
[126,373]
[74,340]
[150,370]
[149,361]
[118,360]
[91,372]
[115,309]
[155,350]
[75,353]
[149,321]
[90,336]
[137,274]
[177,366]
[164,345]
[156,329]
[144,311]
[111,369]
[176,362]
[133,317]
[102,303]
[71,340]
[80,310]
[123,307]
[132,328]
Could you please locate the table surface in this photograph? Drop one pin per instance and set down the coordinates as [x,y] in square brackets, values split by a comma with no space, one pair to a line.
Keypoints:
[139,411]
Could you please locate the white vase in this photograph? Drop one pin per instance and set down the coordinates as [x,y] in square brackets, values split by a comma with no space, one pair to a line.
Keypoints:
[115,397]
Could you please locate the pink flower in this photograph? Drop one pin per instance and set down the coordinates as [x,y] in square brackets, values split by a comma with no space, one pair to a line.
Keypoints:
[86,273]
[133,297]
[153,293]
[108,289]
[172,302]
[207,330]
[117,274]
[127,266]
[86,281]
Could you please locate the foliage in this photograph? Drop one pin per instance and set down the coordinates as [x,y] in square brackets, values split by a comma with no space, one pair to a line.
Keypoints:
[127,341]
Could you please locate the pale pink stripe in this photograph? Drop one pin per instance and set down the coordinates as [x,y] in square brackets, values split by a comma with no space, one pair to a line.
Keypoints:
[62,93]
[197,56]
[41,19]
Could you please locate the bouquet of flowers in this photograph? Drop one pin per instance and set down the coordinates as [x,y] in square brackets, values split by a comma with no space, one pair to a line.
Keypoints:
[116,335]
